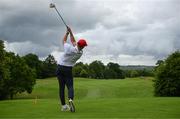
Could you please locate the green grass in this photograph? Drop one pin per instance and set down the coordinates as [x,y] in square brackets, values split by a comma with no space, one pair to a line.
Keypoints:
[129,98]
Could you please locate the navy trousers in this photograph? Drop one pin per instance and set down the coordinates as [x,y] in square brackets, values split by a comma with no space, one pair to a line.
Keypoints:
[65,78]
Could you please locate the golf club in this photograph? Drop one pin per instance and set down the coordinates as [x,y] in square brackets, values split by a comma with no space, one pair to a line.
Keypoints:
[53,6]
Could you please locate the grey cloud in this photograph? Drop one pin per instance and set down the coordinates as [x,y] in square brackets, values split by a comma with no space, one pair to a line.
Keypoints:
[153,32]
[132,27]
[24,48]
[31,26]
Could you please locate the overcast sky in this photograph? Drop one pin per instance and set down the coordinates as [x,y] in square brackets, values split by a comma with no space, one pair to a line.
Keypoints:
[129,32]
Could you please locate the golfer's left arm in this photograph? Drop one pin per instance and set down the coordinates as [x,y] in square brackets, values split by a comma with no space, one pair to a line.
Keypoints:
[73,41]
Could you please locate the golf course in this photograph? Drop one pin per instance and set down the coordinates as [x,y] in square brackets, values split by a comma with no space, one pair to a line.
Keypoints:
[127,98]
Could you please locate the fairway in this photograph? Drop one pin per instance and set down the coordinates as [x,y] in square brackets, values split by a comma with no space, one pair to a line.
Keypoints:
[128,98]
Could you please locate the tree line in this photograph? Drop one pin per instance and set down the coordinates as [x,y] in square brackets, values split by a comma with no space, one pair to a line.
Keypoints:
[98,70]
[19,73]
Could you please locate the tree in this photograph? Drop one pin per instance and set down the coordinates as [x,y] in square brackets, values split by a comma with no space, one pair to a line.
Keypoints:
[109,73]
[33,62]
[167,81]
[22,77]
[96,69]
[15,75]
[77,71]
[4,72]
[83,73]
[159,62]
[119,74]
[50,60]
[48,67]
[134,73]
[81,70]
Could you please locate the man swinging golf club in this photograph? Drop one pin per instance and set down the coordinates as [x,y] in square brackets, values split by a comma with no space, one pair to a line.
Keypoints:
[72,52]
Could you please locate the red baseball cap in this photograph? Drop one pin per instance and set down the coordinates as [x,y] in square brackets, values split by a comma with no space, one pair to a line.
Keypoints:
[82,43]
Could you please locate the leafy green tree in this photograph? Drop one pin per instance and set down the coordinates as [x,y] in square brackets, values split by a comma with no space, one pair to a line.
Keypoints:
[127,73]
[22,77]
[48,67]
[134,73]
[96,69]
[85,69]
[159,62]
[16,76]
[83,73]
[145,72]
[119,74]
[33,62]
[80,69]
[77,71]
[167,81]
[4,72]
[109,73]
[50,60]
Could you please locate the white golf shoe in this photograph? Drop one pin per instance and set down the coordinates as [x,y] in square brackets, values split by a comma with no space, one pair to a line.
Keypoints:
[71,105]
[65,108]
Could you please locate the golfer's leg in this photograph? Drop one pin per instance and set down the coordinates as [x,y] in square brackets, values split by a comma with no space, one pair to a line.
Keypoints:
[69,84]
[61,91]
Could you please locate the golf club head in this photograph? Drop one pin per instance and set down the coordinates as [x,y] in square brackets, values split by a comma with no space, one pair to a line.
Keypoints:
[52,5]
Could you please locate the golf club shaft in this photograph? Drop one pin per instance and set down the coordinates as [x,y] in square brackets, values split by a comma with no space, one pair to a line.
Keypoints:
[61,17]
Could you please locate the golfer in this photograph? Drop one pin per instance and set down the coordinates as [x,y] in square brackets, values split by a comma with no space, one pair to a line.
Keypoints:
[72,52]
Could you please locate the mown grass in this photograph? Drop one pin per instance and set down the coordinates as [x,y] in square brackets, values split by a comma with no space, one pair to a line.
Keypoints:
[128,98]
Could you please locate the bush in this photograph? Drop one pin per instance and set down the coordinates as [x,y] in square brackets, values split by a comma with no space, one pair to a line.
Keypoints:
[167,81]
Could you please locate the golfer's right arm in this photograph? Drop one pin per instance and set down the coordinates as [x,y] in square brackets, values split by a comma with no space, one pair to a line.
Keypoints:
[65,37]
[73,41]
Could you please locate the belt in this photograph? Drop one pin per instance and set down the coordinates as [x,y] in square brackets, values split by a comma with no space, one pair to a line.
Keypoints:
[64,66]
